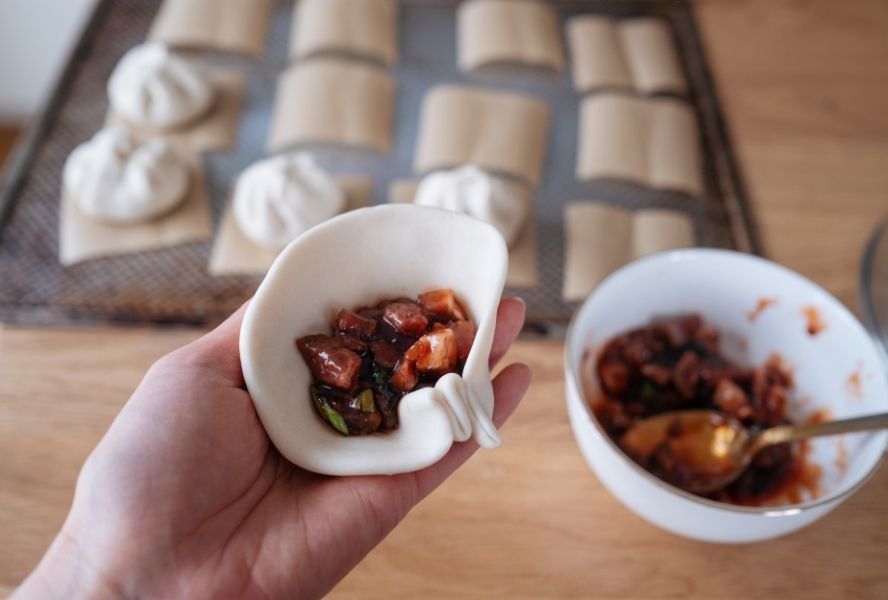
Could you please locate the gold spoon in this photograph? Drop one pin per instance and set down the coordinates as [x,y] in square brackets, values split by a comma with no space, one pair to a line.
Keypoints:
[713,449]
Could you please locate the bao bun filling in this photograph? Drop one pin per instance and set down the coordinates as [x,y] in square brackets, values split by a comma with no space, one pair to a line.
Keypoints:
[376,355]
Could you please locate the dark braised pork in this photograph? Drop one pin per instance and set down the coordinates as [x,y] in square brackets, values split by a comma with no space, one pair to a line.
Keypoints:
[675,365]
[378,354]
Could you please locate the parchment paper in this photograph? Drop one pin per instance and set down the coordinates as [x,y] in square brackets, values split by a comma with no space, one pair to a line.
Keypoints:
[523,270]
[82,238]
[233,253]
[214,132]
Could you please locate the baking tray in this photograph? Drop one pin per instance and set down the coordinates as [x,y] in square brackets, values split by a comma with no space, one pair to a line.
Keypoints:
[173,286]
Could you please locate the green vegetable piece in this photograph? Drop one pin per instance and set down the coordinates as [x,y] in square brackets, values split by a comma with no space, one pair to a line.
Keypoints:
[380,377]
[647,390]
[327,412]
[365,401]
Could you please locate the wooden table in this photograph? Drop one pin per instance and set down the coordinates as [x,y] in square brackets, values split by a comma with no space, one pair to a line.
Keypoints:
[805,86]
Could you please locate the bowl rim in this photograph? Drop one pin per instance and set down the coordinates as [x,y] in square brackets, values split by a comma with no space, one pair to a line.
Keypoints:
[865,283]
[575,380]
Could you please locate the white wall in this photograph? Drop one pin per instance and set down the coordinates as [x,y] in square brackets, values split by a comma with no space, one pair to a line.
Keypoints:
[35,38]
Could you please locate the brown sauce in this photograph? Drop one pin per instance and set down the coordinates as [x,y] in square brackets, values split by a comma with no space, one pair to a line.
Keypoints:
[761,306]
[815,323]
[674,365]
[376,355]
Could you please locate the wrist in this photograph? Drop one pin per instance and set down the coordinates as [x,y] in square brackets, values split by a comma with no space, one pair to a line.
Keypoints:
[67,571]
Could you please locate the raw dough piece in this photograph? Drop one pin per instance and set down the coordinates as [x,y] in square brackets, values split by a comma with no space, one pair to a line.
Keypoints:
[523,32]
[523,271]
[471,191]
[498,131]
[308,280]
[652,56]
[637,54]
[651,141]
[658,230]
[82,238]
[154,88]
[366,28]
[332,101]
[402,191]
[234,254]
[277,199]
[114,179]
[230,25]
[600,238]
[214,132]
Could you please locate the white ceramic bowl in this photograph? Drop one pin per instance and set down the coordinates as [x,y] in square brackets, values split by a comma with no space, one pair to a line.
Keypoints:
[725,287]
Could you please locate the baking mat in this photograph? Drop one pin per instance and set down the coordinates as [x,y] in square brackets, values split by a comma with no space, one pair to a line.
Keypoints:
[173,286]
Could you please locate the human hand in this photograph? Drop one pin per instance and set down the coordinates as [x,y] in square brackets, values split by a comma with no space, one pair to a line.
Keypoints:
[186,496]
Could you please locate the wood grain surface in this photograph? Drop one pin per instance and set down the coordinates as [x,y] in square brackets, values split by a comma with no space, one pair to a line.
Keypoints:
[805,85]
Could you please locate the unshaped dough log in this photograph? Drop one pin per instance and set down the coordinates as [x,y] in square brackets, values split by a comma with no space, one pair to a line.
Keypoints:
[600,238]
[651,141]
[502,132]
[523,32]
[635,54]
[229,25]
[366,28]
[333,101]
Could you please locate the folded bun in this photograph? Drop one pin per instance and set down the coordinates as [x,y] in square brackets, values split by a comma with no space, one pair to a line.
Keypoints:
[279,198]
[471,191]
[114,178]
[155,88]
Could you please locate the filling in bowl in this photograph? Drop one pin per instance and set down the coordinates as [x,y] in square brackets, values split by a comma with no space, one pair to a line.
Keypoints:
[675,365]
[376,355]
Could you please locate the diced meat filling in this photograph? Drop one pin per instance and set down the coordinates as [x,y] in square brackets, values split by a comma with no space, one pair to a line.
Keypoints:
[675,365]
[330,361]
[442,303]
[407,317]
[378,354]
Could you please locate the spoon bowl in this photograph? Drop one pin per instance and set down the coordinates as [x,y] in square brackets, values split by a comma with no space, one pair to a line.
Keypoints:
[707,450]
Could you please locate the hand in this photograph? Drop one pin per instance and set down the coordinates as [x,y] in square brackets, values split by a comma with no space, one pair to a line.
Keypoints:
[186,496]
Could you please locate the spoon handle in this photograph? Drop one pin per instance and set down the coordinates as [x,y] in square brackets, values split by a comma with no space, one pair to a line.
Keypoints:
[791,433]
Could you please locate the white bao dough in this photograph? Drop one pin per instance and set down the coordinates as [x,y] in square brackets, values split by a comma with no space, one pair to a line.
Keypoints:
[471,191]
[155,88]
[362,257]
[114,178]
[279,198]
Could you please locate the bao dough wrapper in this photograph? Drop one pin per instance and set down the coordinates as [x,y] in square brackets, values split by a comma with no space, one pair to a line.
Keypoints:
[523,270]
[501,132]
[215,131]
[229,25]
[233,253]
[367,28]
[333,101]
[634,54]
[651,141]
[600,238]
[523,32]
[82,238]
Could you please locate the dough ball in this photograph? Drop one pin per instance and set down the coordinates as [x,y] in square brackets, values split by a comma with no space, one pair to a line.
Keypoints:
[114,178]
[152,87]
[279,198]
[474,192]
